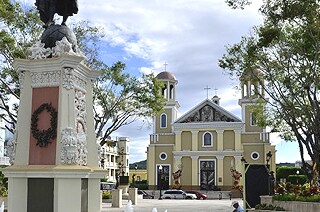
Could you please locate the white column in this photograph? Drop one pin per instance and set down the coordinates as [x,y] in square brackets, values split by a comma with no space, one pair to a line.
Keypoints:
[220,169]
[177,146]
[237,140]
[220,139]
[194,171]
[194,140]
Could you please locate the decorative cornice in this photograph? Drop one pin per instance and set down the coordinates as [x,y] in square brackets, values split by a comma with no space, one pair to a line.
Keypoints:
[194,131]
[166,134]
[209,125]
[208,153]
[220,157]
[80,82]
[67,78]
[219,131]
[254,144]
[21,76]
[45,79]
[195,157]
[168,145]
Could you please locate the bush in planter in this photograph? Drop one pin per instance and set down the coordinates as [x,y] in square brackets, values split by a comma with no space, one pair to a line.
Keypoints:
[269,207]
[106,195]
[293,197]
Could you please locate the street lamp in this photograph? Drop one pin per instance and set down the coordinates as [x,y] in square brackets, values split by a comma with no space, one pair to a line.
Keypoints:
[297,172]
[159,177]
[268,157]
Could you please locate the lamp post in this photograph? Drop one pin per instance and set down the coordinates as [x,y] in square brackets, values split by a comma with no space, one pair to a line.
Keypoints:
[297,176]
[160,183]
[268,157]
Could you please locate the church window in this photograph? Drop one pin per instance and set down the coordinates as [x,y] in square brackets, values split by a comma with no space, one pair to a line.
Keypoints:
[245,91]
[253,119]
[207,139]
[253,89]
[164,91]
[171,91]
[163,121]
[163,156]
[255,155]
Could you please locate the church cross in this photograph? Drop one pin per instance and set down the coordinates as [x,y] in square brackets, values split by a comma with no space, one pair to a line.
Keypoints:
[207,88]
[165,66]
[215,91]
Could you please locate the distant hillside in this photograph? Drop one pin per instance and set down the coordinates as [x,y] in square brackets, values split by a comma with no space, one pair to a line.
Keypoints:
[140,165]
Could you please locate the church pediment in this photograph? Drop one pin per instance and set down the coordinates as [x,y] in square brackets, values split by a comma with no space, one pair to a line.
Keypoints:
[208,111]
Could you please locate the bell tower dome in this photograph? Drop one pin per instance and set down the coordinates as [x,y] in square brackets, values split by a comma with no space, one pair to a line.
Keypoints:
[251,94]
[164,120]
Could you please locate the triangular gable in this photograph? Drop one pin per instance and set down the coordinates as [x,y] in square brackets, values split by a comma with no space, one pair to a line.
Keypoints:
[207,111]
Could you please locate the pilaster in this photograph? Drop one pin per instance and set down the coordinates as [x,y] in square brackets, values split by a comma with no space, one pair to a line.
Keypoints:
[194,140]
[152,173]
[237,140]
[220,139]
[220,169]
[194,171]
[177,146]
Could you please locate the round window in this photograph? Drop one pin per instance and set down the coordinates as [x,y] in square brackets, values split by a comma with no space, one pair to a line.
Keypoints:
[255,155]
[163,156]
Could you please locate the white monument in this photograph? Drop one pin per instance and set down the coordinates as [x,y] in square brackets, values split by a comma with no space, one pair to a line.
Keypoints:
[55,156]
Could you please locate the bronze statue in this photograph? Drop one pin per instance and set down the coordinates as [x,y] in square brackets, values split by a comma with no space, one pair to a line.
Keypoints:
[64,8]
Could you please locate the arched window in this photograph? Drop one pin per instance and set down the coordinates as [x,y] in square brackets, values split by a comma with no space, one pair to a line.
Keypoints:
[163,121]
[253,119]
[207,139]
[171,91]
[164,91]
[245,90]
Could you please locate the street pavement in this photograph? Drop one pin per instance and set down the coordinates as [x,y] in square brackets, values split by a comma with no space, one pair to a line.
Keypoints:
[147,205]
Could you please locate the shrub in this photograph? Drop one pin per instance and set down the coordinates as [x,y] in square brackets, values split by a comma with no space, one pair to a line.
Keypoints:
[297,179]
[292,197]
[106,195]
[269,207]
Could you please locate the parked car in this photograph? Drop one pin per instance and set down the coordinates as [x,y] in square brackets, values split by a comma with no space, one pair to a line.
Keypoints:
[198,194]
[145,194]
[177,194]
[106,186]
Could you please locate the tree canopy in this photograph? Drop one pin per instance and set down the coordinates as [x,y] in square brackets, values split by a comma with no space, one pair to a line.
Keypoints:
[286,50]
[119,98]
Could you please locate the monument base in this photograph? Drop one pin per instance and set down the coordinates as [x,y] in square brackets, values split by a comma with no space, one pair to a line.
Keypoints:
[39,188]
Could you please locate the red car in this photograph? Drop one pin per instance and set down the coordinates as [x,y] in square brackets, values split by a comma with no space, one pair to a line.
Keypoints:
[198,194]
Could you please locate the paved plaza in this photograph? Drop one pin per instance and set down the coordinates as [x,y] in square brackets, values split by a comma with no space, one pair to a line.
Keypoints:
[146,205]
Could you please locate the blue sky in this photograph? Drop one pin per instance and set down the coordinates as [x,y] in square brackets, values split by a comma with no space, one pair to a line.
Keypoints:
[189,35]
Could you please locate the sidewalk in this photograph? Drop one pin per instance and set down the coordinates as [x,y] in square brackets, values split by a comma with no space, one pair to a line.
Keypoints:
[146,205]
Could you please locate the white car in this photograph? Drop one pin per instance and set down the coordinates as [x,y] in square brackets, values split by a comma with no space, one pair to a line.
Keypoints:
[177,194]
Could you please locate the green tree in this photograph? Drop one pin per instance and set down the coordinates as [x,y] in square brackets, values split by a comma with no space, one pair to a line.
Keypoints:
[119,98]
[285,49]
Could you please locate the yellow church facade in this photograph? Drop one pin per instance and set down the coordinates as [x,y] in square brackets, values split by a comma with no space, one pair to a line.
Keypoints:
[204,144]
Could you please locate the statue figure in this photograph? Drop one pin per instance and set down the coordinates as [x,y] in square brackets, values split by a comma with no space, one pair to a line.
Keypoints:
[176,178]
[64,8]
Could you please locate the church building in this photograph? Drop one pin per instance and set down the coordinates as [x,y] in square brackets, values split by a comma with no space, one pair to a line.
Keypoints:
[199,149]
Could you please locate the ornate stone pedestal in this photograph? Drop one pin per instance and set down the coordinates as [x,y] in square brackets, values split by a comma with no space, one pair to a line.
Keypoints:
[56,157]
